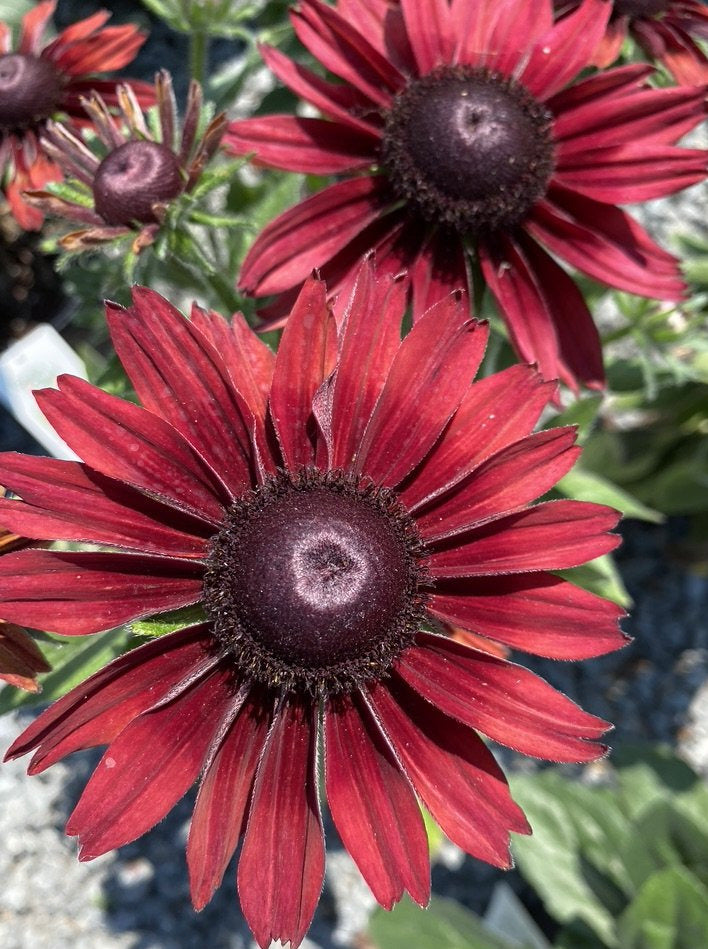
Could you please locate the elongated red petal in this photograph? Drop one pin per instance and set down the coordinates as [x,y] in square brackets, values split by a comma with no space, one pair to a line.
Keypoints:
[222,802]
[429,31]
[549,536]
[373,806]
[58,496]
[148,767]
[96,711]
[435,270]
[78,593]
[151,338]
[306,356]
[453,772]
[279,893]
[495,411]
[508,480]
[429,375]
[537,613]
[130,444]
[504,701]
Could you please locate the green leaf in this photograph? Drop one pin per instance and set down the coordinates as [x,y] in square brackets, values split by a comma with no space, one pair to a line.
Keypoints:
[586,485]
[600,576]
[669,912]
[12,11]
[170,622]
[582,412]
[444,925]
[73,659]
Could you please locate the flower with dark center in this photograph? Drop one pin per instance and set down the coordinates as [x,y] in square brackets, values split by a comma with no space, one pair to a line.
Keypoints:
[329,510]
[131,177]
[40,82]
[666,31]
[462,128]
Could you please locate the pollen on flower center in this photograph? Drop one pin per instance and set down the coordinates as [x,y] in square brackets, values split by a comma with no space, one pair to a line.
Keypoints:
[134,177]
[313,582]
[468,149]
[30,90]
[640,7]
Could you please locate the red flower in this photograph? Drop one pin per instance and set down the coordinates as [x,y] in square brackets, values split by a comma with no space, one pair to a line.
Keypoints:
[663,28]
[324,507]
[457,124]
[38,82]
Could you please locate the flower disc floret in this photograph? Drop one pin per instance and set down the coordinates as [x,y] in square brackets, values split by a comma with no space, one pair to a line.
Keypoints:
[30,90]
[132,179]
[313,583]
[468,148]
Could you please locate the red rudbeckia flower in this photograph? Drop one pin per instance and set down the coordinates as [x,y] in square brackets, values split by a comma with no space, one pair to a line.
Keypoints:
[38,82]
[665,30]
[326,507]
[458,125]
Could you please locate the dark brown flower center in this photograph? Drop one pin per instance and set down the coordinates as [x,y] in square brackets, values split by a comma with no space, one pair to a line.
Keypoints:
[30,90]
[134,177]
[468,149]
[313,582]
[640,7]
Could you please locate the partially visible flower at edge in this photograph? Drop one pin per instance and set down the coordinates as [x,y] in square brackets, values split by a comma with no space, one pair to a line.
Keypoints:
[664,29]
[326,508]
[39,82]
[129,186]
[20,657]
[459,128]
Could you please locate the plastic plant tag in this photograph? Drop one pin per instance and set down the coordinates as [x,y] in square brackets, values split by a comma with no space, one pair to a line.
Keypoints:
[34,362]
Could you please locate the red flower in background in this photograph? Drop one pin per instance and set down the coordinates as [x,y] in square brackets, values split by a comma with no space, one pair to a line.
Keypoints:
[39,81]
[327,507]
[459,125]
[665,30]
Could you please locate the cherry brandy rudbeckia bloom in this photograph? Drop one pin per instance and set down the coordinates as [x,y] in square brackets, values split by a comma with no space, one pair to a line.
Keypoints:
[325,507]
[38,82]
[459,124]
[665,30]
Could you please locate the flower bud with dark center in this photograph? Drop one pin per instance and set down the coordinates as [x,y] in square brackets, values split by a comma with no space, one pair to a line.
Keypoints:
[30,90]
[312,584]
[468,149]
[640,7]
[134,177]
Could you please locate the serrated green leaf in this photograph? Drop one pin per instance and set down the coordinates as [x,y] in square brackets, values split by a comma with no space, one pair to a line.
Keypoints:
[584,485]
[669,912]
[73,659]
[444,925]
[170,622]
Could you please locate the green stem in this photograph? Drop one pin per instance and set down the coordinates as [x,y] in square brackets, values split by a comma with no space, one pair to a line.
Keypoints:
[198,55]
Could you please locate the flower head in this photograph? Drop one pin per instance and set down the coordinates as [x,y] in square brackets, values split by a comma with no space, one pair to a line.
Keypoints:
[38,82]
[463,125]
[327,509]
[666,30]
[128,185]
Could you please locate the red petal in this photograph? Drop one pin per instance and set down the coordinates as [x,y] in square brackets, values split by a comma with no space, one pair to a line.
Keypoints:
[566,49]
[311,146]
[96,711]
[455,775]
[504,701]
[549,536]
[306,356]
[497,35]
[151,338]
[537,613]
[20,658]
[370,338]
[34,23]
[437,269]
[429,31]
[150,765]
[373,806]
[110,48]
[130,444]
[310,234]
[508,480]
[495,412]
[281,869]
[73,594]
[428,378]
[221,806]
[58,495]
